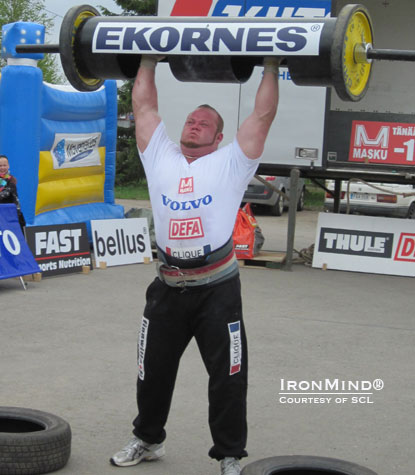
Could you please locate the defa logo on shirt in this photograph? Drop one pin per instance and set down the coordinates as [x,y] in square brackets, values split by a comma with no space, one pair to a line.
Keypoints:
[185,228]
[186,185]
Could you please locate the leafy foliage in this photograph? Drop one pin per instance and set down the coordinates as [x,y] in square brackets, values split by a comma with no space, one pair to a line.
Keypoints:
[12,11]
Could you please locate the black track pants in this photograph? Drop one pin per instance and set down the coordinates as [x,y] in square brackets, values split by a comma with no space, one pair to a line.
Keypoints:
[213,315]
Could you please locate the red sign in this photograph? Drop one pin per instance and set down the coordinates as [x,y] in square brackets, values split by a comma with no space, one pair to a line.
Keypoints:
[191,8]
[406,248]
[185,228]
[386,143]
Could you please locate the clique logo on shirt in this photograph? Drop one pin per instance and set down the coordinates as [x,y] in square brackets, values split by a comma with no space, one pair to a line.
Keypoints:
[186,185]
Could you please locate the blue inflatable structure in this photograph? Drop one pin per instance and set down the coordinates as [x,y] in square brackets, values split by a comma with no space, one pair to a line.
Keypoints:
[61,143]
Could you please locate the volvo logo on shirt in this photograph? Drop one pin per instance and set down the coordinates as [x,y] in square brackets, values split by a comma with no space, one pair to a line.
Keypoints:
[186,205]
[354,242]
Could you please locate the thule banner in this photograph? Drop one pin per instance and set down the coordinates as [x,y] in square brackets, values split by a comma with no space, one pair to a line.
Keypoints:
[15,256]
[365,244]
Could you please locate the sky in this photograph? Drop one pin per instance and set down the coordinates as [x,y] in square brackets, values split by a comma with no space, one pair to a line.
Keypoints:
[56,9]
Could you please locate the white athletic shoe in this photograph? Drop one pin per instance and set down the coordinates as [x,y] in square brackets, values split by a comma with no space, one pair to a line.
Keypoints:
[136,451]
[230,466]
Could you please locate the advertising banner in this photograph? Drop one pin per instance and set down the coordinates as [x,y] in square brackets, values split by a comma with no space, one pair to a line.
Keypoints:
[60,248]
[389,143]
[76,150]
[15,256]
[255,39]
[121,241]
[235,8]
[365,244]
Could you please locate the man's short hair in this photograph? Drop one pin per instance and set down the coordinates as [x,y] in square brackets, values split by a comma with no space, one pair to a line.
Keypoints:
[220,123]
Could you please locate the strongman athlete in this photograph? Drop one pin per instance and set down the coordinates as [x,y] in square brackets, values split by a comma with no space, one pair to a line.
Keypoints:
[195,191]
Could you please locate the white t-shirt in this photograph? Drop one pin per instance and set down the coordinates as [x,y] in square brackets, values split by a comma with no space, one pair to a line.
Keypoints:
[194,204]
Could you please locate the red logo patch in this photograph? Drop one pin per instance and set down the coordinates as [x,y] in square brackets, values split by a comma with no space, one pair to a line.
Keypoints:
[186,185]
[185,228]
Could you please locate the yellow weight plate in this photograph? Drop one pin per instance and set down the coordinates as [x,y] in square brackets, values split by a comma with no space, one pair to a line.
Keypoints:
[69,50]
[356,74]
[78,20]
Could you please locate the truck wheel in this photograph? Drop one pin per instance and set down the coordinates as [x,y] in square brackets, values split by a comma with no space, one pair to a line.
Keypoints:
[411,211]
[304,465]
[278,208]
[32,442]
[301,200]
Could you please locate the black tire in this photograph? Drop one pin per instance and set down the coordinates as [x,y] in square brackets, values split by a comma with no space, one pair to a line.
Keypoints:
[411,211]
[69,53]
[32,442]
[301,200]
[304,465]
[278,208]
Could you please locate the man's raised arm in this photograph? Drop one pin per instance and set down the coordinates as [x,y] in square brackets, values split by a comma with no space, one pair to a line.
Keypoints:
[145,103]
[254,130]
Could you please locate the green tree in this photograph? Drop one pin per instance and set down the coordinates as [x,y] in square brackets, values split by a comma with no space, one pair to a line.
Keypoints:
[129,168]
[32,11]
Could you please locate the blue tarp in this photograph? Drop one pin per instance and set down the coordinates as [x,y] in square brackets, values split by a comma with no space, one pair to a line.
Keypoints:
[16,259]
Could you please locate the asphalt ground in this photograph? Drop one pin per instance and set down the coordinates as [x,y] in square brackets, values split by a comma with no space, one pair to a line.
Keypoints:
[68,346]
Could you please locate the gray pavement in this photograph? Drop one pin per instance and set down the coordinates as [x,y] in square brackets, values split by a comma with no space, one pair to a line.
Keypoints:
[68,346]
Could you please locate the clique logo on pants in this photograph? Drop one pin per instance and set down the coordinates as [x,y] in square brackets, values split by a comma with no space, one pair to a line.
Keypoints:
[235,347]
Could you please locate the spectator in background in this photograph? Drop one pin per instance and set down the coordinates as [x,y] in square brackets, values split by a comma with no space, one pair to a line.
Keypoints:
[8,189]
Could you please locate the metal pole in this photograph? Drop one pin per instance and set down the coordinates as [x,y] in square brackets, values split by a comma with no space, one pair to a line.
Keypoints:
[292,210]
[23,282]
[391,54]
[337,191]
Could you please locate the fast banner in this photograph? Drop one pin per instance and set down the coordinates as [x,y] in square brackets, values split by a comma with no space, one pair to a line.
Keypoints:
[121,241]
[61,248]
[15,256]
[365,244]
